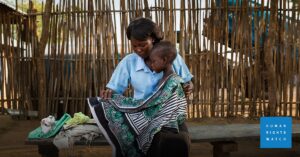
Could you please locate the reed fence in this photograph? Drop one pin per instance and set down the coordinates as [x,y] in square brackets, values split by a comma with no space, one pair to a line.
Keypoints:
[244,56]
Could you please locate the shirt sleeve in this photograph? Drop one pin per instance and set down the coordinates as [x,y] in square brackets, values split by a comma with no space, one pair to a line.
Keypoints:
[120,77]
[181,69]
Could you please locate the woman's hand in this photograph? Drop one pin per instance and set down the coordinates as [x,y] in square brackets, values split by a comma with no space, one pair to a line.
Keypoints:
[106,93]
[188,88]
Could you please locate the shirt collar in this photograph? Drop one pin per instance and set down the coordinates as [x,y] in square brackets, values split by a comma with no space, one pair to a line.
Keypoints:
[141,65]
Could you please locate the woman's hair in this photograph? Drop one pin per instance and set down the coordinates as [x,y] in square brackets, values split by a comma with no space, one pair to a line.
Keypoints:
[142,28]
[165,49]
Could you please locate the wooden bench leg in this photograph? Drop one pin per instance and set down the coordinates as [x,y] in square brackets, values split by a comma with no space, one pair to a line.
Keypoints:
[296,143]
[48,150]
[223,148]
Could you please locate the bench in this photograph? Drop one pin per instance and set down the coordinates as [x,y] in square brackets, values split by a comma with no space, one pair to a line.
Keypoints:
[19,114]
[223,138]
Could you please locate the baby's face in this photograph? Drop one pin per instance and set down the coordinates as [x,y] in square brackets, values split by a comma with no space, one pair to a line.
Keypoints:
[158,63]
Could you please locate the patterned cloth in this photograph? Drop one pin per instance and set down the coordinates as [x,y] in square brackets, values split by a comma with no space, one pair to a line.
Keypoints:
[129,125]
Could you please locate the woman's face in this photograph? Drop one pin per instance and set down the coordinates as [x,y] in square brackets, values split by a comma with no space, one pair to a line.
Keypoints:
[142,48]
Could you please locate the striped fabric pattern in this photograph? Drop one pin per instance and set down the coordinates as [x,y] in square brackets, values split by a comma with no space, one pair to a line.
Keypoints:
[130,128]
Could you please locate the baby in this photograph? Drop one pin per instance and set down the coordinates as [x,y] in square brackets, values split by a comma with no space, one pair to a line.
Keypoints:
[161,58]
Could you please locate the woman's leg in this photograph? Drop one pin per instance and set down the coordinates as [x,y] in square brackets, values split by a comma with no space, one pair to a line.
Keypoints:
[169,143]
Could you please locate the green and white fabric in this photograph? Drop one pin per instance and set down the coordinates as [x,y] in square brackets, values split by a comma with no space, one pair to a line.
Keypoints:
[129,124]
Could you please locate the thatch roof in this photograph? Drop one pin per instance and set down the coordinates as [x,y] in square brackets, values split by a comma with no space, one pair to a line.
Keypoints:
[11,5]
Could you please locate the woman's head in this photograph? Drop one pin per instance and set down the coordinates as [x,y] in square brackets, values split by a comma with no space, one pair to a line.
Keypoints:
[162,55]
[143,34]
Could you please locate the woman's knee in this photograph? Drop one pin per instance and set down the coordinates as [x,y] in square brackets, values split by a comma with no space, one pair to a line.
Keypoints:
[173,141]
[175,145]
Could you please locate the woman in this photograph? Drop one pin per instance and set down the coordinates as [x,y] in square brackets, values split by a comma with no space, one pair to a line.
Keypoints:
[134,70]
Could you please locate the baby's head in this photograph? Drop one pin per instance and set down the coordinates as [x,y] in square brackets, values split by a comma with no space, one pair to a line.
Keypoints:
[162,55]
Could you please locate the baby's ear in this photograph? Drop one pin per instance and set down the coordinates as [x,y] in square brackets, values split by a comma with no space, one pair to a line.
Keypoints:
[165,59]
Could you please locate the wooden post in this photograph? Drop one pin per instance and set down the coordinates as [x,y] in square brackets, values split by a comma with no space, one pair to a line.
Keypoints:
[40,60]
[223,148]
[268,58]
[48,150]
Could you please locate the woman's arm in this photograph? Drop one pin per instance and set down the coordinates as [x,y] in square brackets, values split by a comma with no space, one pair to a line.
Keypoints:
[182,70]
[119,80]
[188,88]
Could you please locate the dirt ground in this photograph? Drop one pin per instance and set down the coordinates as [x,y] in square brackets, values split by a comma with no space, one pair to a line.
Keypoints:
[13,133]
